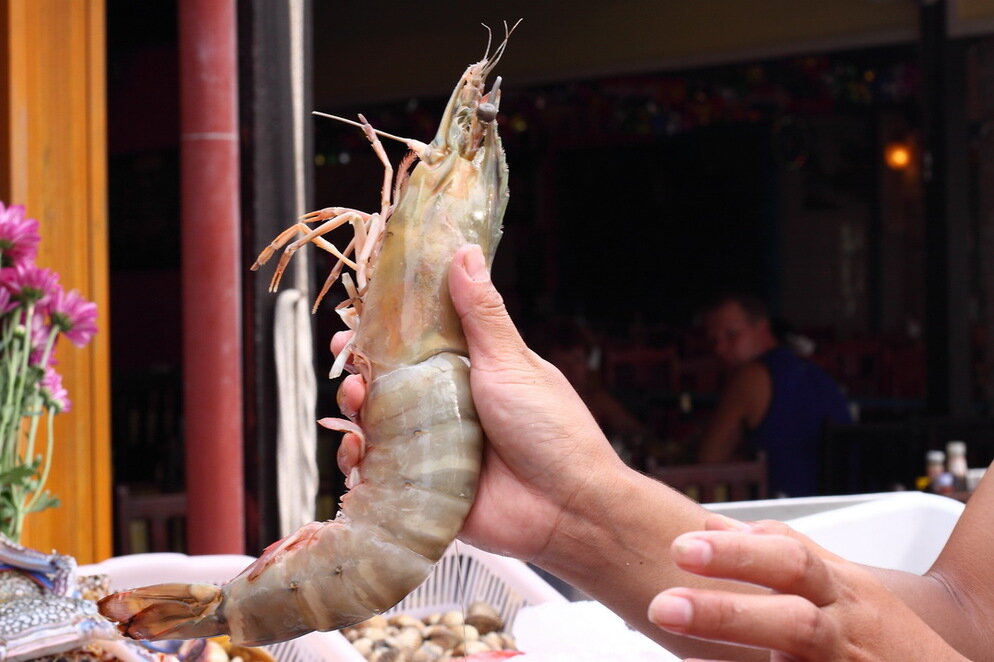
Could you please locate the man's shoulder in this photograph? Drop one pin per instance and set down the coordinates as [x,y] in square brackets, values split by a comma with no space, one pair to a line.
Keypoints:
[809,385]
[788,362]
[751,372]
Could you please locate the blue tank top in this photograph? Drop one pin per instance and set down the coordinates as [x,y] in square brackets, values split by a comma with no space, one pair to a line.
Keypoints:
[804,398]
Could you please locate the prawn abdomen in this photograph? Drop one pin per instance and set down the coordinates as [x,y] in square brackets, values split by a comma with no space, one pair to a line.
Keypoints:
[347,574]
[424,450]
[418,482]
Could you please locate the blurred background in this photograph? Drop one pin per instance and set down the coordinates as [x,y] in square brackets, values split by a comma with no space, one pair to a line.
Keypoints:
[833,158]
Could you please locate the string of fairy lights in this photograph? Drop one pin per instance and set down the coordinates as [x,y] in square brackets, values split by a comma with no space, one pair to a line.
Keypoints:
[645,106]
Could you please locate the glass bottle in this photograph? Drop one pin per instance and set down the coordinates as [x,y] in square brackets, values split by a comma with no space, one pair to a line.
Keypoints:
[935,465]
[956,463]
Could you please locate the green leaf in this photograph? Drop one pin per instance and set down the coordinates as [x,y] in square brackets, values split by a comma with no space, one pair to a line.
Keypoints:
[18,474]
[45,500]
[7,508]
[34,374]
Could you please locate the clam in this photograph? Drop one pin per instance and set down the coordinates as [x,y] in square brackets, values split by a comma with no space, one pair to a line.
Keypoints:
[438,637]
[484,617]
[429,652]
[405,621]
[442,636]
[364,645]
[467,648]
[388,655]
[452,618]
[409,638]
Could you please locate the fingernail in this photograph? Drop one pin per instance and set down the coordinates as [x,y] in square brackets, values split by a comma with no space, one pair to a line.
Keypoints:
[673,611]
[475,264]
[343,406]
[693,551]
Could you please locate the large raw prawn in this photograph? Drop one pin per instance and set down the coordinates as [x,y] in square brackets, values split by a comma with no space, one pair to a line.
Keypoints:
[423,442]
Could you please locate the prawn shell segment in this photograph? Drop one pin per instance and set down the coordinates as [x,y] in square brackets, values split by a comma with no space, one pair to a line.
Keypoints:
[418,483]
[346,571]
[424,447]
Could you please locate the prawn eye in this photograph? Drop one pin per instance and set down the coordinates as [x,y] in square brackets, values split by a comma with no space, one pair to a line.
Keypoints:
[486,112]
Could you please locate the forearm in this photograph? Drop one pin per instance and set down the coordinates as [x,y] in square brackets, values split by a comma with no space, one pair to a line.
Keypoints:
[956,596]
[957,615]
[613,543]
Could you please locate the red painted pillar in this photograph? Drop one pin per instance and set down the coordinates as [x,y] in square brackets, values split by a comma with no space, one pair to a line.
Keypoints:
[212,349]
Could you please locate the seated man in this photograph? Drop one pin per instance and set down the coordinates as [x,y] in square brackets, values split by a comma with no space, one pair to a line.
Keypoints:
[774,401]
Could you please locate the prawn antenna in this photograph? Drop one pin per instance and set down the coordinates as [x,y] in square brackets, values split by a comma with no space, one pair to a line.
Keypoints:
[499,51]
[490,36]
[415,145]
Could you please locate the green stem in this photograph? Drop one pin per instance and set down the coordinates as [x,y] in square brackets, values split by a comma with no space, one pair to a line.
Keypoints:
[47,467]
[8,406]
[22,366]
[17,351]
[11,411]
[49,344]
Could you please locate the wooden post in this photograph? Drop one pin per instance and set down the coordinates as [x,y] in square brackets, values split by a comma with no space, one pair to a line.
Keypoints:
[212,330]
[53,161]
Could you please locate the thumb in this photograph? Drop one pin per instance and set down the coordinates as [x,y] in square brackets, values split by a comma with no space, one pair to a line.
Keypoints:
[490,333]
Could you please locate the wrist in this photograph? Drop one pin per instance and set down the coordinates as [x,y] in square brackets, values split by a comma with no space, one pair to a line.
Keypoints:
[615,525]
[581,531]
[612,542]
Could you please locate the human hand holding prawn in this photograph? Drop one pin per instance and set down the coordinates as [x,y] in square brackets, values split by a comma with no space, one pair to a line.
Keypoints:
[552,490]
[543,442]
[822,608]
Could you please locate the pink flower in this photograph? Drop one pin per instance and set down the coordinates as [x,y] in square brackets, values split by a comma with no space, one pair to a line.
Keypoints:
[6,305]
[19,236]
[55,395]
[74,316]
[29,283]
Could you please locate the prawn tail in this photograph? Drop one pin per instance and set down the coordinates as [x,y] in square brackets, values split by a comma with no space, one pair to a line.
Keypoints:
[167,611]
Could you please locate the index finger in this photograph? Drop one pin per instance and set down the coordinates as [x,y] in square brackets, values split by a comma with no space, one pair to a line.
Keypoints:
[786,623]
[778,562]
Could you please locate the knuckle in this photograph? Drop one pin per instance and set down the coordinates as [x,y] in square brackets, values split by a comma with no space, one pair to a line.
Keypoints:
[771,526]
[799,562]
[491,302]
[807,627]
[488,302]
[717,615]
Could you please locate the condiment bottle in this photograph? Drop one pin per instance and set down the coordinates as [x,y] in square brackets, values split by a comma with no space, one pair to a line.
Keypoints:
[956,463]
[935,465]
[944,483]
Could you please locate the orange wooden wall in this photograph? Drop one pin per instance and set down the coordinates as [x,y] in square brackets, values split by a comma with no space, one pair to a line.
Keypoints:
[53,161]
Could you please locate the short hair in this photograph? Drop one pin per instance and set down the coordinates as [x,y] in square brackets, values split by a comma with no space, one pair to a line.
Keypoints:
[754,307]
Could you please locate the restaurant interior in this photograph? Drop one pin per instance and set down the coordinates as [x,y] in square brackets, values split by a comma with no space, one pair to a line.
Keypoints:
[839,164]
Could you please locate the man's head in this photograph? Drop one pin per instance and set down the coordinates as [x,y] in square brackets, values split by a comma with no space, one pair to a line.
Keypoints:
[738,327]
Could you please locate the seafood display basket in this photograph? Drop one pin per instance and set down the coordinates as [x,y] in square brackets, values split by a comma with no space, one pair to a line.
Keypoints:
[141,569]
[464,575]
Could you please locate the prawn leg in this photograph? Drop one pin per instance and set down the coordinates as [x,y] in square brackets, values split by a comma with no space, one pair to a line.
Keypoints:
[373,234]
[329,212]
[333,275]
[313,236]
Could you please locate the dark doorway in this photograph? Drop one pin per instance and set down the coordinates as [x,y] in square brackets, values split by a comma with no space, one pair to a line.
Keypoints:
[654,229]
